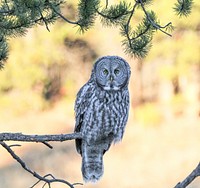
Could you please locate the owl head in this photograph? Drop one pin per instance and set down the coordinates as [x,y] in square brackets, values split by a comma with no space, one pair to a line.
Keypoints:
[111,73]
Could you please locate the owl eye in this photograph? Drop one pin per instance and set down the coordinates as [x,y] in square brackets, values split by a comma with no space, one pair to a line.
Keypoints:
[105,71]
[116,71]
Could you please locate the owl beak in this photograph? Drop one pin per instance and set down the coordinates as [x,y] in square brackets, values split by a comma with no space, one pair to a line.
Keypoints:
[111,78]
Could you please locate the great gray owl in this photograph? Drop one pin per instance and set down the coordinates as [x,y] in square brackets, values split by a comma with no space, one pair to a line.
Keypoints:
[101,108]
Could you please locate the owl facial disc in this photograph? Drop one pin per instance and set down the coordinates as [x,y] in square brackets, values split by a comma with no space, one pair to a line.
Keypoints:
[112,73]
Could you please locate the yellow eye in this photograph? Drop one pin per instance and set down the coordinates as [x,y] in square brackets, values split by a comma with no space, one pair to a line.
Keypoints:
[105,71]
[116,71]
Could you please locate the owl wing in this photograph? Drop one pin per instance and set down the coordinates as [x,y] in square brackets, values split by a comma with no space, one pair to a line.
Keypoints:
[81,105]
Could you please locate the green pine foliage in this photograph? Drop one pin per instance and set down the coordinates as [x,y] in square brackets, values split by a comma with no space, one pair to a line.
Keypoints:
[183,7]
[19,15]
[115,14]
[87,13]
[3,50]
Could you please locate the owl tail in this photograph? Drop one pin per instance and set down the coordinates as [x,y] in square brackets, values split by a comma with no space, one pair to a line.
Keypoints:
[92,162]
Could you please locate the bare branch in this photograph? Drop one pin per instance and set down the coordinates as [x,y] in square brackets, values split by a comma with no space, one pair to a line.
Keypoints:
[44,139]
[38,138]
[40,178]
[194,174]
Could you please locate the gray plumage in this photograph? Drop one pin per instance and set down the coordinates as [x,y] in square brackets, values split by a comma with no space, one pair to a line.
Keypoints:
[101,109]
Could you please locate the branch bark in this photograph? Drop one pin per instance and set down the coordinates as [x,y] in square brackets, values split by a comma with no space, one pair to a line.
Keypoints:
[194,174]
[44,139]
[38,138]
[48,179]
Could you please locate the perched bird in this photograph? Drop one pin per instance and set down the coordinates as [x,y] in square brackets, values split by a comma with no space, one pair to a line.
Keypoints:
[101,110]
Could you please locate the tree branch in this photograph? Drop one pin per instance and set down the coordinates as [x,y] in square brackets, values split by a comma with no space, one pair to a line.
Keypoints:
[128,24]
[38,138]
[44,139]
[40,178]
[6,11]
[112,17]
[44,20]
[155,25]
[194,174]
[69,21]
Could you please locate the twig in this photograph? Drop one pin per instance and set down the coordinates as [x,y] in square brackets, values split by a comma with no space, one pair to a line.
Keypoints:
[128,23]
[48,145]
[106,3]
[182,5]
[44,19]
[40,178]
[15,145]
[194,174]
[112,17]
[6,11]
[170,23]
[152,22]
[69,21]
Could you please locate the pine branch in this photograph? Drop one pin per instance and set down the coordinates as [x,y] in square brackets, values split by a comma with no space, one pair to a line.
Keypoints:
[6,11]
[115,14]
[3,51]
[44,19]
[61,16]
[87,13]
[137,42]
[154,24]
[18,16]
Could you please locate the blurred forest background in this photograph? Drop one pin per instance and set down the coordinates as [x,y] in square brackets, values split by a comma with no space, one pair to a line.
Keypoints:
[44,72]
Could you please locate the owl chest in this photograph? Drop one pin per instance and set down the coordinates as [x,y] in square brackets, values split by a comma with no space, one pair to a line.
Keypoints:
[104,112]
[104,116]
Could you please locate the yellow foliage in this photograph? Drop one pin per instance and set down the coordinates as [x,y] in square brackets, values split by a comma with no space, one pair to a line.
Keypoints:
[17,103]
[178,102]
[148,114]
[167,71]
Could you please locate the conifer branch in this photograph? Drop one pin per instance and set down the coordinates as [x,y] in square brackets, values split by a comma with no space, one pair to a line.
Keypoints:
[114,15]
[155,25]
[6,11]
[127,25]
[138,42]
[69,21]
[18,16]
[44,19]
